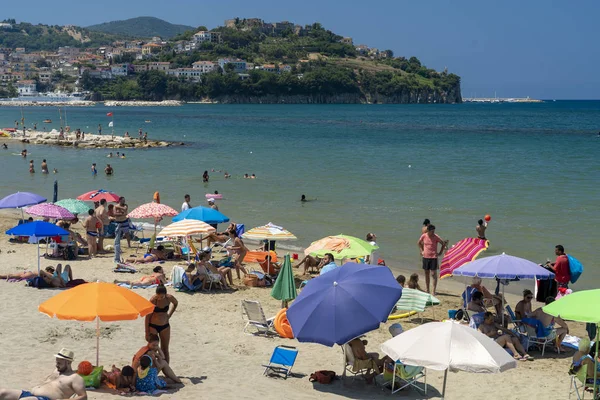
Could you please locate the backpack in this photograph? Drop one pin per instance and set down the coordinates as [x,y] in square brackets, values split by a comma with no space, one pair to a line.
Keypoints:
[325,377]
[69,253]
[575,268]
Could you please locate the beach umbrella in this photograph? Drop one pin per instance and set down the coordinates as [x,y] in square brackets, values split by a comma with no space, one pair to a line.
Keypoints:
[444,346]
[97,195]
[152,210]
[461,253]
[187,227]
[504,267]
[581,307]
[49,210]
[97,301]
[55,192]
[37,229]
[284,288]
[341,246]
[74,205]
[203,214]
[342,304]
[21,199]
[269,232]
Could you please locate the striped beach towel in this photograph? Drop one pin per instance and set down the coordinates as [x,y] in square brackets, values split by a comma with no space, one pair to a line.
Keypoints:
[415,300]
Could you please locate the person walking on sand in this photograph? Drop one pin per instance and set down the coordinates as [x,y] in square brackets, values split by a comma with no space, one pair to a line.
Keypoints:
[158,321]
[92,228]
[241,250]
[121,211]
[428,244]
[63,383]
[561,268]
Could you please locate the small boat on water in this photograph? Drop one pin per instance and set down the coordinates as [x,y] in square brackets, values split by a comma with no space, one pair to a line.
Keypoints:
[147,121]
[47,121]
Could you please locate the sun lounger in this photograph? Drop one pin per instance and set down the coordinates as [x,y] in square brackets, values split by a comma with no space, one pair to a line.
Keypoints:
[282,361]
[256,318]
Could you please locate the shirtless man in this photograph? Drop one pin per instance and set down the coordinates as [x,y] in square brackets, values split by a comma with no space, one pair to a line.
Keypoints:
[121,211]
[523,308]
[503,337]
[63,383]
[108,170]
[91,225]
[102,215]
[44,166]
[480,228]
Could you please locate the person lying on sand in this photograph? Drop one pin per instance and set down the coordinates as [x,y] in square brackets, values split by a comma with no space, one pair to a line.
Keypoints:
[63,383]
[157,278]
[155,255]
[122,380]
[54,278]
[153,350]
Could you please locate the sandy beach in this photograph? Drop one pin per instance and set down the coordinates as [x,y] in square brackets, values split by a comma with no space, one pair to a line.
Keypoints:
[211,353]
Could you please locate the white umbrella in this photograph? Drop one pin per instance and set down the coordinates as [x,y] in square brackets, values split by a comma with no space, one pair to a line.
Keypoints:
[447,346]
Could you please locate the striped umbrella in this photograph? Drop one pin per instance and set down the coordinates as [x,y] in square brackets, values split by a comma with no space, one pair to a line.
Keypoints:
[340,246]
[461,253]
[49,210]
[153,210]
[187,227]
[74,205]
[269,232]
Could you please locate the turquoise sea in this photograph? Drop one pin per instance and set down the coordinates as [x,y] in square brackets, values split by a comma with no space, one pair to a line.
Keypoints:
[372,168]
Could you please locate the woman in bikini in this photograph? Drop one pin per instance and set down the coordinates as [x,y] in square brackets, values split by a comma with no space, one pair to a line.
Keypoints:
[158,321]
[54,278]
[241,250]
[225,272]
[155,255]
[157,278]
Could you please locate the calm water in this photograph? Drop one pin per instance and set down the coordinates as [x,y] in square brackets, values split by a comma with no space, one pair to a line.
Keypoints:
[533,167]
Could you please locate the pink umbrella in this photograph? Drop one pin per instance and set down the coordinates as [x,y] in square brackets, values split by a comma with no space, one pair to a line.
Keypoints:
[153,210]
[49,210]
[461,253]
[97,195]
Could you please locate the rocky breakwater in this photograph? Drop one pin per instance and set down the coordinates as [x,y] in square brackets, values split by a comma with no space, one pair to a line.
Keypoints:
[94,141]
[31,103]
[164,103]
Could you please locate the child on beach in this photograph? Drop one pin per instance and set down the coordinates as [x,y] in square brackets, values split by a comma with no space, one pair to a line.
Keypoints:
[147,379]
[94,170]
[120,379]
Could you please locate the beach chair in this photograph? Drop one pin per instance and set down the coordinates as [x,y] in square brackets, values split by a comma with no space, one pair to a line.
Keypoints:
[406,376]
[539,341]
[517,324]
[579,382]
[282,361]
[213,278]
[256,318]
[475,320]
[350,364]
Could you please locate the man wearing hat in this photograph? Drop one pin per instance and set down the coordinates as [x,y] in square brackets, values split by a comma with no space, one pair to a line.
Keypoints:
[63,383]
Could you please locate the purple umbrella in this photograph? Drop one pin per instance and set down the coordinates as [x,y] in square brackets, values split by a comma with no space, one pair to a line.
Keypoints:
[21,199]
[49,210]
[342,304]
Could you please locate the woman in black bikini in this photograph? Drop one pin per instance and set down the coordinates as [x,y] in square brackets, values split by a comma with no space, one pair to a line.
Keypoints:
[158,322]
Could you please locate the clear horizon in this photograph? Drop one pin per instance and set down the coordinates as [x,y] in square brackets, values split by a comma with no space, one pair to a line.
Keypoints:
[539,49]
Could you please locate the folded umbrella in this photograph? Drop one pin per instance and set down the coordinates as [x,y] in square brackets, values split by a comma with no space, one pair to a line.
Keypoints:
[462,252]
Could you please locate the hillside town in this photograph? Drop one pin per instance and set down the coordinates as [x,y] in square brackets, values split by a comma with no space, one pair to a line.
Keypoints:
[26,73]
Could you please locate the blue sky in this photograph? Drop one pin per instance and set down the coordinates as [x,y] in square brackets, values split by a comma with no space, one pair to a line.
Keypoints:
[543,49]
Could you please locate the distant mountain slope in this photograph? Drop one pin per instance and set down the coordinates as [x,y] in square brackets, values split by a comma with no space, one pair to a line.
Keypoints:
[141,27]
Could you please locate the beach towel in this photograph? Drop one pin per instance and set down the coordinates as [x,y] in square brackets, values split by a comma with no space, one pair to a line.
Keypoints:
[177,276]
[573,342]
[415,300]
[540,330]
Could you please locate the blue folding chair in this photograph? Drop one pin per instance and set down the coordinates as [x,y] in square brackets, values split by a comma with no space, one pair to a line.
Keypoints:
[282,361]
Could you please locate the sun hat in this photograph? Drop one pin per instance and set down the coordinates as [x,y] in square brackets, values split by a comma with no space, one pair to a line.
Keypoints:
[211,200]
[65,354]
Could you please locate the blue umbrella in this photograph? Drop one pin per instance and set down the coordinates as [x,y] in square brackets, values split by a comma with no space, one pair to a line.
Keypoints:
[343,304]
[503,268]
[37,229]
[21,199]
[203,214]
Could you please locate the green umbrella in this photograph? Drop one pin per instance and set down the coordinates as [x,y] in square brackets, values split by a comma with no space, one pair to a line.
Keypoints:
[284,288]
[341,246]
[582,307]
[74,205]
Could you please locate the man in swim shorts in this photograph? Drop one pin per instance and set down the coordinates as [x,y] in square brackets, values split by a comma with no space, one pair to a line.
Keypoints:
[428,244]
[92,226]
[102,215]
[121,211]
[63,383]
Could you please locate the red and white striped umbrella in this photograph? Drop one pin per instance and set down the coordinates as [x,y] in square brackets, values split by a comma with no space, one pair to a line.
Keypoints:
[49,210]
[461,253]
[153,210]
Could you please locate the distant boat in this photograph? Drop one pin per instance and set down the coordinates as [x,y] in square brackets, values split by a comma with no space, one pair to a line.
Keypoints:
[47,121]
[147,121]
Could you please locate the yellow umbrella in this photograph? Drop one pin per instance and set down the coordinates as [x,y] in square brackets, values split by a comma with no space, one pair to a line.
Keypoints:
[269,232]
[187,227]
[97,301]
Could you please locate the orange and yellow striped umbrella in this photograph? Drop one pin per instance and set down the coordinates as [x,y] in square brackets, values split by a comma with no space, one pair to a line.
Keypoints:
[269,232]
[187,227]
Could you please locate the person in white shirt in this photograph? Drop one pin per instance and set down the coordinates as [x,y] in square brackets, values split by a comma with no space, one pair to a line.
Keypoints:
[186,204]
[373,258]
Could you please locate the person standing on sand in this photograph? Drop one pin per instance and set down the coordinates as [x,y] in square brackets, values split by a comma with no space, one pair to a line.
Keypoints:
[121,211]
[428,244]
[158,321]
[241,250]
[373,258]
[561,268]
[92,227]
[102,215]
[63,383]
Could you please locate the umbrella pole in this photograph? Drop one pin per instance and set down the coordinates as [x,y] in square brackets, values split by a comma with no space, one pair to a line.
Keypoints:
[502,311]
[38,256]
[596,362]
[444,387]
[97,341]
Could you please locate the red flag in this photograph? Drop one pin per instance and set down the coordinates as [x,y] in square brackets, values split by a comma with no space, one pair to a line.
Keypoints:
[109,114]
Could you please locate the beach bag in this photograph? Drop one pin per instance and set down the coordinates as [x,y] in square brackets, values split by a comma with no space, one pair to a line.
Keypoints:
[325,377]
[575,268]
[251,280]
[69,253]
